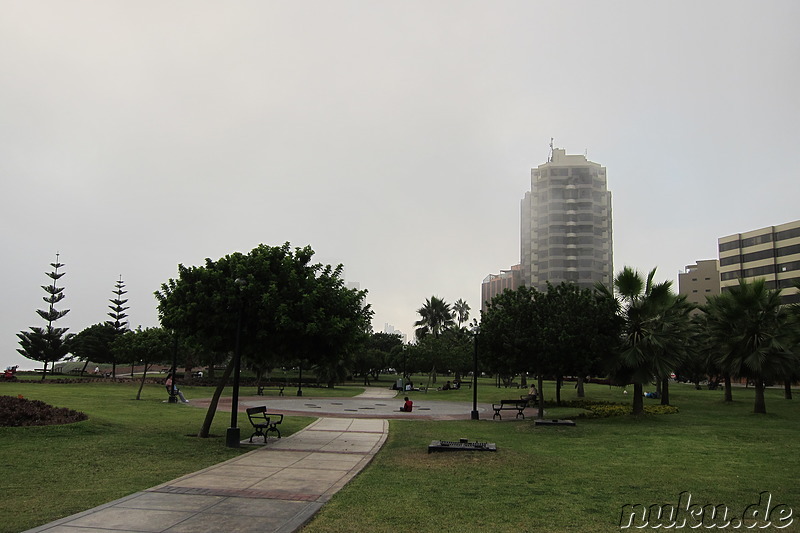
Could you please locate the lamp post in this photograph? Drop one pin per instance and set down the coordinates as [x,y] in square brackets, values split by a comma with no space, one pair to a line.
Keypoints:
[232,437]
[474,414]
[173,396]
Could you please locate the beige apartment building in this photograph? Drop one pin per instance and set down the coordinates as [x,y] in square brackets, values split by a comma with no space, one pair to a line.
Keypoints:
[772,253]
[566,224]
[495,284]
[699,281]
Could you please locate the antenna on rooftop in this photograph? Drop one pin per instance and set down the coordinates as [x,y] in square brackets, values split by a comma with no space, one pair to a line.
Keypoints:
[550,153]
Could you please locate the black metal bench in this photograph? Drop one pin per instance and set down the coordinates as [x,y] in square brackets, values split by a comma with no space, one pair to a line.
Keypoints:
[510,405]
[263,422]
[277,386]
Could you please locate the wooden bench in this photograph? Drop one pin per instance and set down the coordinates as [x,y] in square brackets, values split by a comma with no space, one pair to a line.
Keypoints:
[271,386]
[263,422]
[510,405]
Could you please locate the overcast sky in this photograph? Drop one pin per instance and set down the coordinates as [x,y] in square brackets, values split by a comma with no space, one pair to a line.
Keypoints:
[396,138]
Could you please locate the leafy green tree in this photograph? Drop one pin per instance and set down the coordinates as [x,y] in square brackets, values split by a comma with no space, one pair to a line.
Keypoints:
[380,351]
[287,308]
[94,344]
[578,329]
[143,347]
[510,339]
[750,324]
[435,316]
[47,344]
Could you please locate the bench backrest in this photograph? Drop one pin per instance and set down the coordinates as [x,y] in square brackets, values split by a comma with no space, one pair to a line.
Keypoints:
[513,402]
[256,410]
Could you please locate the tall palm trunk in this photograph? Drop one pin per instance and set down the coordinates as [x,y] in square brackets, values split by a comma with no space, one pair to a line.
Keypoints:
[638,399]
[665,391]
[728,388]
[760,406]
[787,389]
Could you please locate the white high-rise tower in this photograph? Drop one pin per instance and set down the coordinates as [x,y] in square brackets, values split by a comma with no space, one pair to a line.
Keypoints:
[566,224]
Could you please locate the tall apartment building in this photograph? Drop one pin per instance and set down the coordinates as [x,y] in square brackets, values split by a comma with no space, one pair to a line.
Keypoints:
[699,280]
[495,284]
[566,224]
[772,253]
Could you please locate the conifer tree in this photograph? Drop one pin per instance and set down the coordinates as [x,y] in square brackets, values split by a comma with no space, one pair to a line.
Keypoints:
[118,315]
[47,344]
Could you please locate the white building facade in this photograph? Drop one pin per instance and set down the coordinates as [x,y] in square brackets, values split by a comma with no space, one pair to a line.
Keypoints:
[566,224]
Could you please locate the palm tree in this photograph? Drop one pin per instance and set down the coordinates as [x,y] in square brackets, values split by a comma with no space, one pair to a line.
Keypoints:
[461,311]
[651,316]
[750,325]
[436,316]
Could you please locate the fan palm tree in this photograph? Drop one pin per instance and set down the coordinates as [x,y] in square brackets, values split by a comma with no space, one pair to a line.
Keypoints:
[435,316]
[652,316]
[751,326]
[461,311]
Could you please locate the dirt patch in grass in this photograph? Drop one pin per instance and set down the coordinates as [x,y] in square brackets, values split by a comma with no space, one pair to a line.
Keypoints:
[17,411]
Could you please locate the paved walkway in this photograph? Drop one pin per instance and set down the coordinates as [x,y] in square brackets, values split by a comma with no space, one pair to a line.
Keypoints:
[274,488]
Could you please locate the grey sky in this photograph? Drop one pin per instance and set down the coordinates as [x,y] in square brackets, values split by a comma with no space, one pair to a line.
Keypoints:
[396,138]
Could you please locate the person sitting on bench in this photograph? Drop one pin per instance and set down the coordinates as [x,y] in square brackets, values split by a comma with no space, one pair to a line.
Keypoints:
[532,393]
[407,406]
[173,389]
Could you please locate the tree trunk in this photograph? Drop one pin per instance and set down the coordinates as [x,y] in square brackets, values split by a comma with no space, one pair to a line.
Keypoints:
[559,381]
[665,391]
[728,388]
[113,370]
[540,401]
[144,375]
[638,401]
[579,386]
[212,408]
[760,406]
[787,389]
[85,364]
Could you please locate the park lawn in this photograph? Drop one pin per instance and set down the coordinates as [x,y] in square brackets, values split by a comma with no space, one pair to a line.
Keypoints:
[576,478]
[125,446]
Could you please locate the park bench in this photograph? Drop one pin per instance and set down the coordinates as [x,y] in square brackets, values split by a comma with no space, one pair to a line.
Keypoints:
[263,422]
[510,405]
[270,386]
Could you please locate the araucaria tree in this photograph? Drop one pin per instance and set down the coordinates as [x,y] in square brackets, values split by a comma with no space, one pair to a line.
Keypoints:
[118,317]
[47,344]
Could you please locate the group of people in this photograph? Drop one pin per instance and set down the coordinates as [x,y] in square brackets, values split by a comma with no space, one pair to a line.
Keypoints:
[455,385]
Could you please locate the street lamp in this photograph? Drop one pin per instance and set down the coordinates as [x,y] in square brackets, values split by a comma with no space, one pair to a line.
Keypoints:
[173,393]
[232,437]
[474,414]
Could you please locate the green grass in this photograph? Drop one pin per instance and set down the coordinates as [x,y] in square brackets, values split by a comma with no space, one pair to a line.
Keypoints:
[125,446]
[541,479]
[575,478]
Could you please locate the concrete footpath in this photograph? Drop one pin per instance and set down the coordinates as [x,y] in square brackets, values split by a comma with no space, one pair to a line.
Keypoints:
[274,488]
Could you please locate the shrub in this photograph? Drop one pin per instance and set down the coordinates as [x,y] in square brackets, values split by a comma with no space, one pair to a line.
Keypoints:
[21,412]
[605,409]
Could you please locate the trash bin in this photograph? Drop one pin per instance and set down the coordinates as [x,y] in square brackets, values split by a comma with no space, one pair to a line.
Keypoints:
[399,384]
